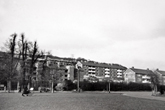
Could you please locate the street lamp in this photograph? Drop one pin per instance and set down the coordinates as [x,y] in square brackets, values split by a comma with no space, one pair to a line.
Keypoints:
[78,66]
[109,86]
[109,82]
[52,73]
[78,80]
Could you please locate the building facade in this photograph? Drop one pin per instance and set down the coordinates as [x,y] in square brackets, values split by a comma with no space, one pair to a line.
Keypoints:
[161,76]
[138,75]
[103,71]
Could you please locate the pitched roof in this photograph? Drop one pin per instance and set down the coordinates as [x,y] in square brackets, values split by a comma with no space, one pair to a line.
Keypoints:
[142,71]
[103,65]
[57,68]
[161,72]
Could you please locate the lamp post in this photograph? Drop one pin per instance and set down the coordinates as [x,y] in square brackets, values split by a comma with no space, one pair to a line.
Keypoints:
[109,86]
[52,73]
[109,81]
[52,84]
[78,66]
[78,81]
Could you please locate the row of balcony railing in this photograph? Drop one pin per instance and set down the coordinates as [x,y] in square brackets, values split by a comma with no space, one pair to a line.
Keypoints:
[145,77]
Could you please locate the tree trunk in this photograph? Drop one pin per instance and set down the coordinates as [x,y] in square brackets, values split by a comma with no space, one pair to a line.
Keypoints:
[18,87]
[28,85]
[154,90]
[9,86]
[109,87]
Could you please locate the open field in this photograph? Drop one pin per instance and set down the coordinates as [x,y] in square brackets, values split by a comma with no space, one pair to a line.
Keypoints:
[77,101]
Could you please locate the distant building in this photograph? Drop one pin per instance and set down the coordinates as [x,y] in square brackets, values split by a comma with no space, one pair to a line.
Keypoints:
[103,71]
[91,70]
[70,72]
[52,66]
[161,76]
[137,75]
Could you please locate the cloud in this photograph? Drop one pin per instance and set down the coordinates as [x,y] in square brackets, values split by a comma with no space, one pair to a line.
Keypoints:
[128,52]
[124,32]
[159,30]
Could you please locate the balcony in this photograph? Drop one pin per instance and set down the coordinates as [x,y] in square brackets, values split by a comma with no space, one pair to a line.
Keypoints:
[145,77]
[91,74]
[107,69]
[91,68]
[107,72]
[91,71]
[119,76]
[119,73]
[146,81]
[107,76]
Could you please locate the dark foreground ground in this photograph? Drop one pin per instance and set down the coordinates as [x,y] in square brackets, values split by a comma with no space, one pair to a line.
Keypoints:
[77,101]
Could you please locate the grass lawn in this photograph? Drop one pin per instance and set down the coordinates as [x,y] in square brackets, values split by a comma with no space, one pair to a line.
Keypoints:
[76,101]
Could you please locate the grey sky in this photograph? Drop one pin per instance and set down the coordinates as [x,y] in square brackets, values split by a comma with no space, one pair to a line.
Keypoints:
[128,32]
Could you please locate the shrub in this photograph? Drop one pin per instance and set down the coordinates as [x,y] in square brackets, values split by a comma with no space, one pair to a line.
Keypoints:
[69,85]
[100,86]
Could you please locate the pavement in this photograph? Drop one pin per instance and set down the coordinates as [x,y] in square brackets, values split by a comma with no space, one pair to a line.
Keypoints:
[136,94]
[144,95]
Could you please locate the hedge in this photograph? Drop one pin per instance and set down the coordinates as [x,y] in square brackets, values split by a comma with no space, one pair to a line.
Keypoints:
[104,86]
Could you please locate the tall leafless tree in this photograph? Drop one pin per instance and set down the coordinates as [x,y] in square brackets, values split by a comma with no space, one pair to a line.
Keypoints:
[154,83]
[12,52]
[7,60]
[23,47]
[34,55]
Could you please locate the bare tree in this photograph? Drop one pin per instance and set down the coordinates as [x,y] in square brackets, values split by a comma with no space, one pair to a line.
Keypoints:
[34,55]
[8,60]
[5,69]
[154,83]
[44,65]
[23,47]
[12,52]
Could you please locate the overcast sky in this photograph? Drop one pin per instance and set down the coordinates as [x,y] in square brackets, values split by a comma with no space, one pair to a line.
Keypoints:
[127,32]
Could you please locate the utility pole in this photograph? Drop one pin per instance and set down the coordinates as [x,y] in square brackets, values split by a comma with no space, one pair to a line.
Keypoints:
[78,66]
[110,81]
[78,82]
[52,73]
[109,87]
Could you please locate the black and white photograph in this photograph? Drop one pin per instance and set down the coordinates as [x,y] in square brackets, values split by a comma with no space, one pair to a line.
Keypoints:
[82,54]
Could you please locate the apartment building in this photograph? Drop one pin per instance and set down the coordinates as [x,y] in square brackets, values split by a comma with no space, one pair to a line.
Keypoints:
[94,71]
[161,76]
[103,71]
[52,66]
[138,75]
